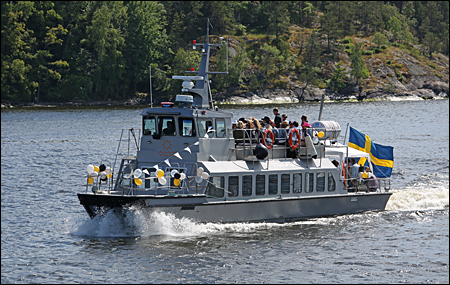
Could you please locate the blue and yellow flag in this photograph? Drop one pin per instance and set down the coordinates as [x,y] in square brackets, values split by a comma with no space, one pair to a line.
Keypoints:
[382,156]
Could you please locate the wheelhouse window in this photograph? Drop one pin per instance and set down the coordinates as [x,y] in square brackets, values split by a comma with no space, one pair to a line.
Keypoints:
[285,183]
[149,126]
[273,184]
[247,185]
[260,184]
[331,182]
[297,182]
[220,128]
[216,186]
[203,126]
[166,126]
[309,182]
[320,181]
[186,127]
[233,186]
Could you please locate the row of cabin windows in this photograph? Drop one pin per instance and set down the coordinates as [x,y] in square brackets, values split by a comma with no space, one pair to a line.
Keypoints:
[217,184]
[166,126]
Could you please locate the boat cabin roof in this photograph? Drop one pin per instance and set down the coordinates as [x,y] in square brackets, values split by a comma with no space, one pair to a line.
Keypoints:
[240,166]
[185,112]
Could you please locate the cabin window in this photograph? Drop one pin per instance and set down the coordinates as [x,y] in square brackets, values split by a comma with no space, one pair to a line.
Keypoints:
[166,126]
[297,182]
[149,183]
[331,182]
[260,184]
[233,186]
[220,128]
[186,126]
[285,183]
[273,184]
[320,181]
[203,126]
[149,126]
[247,185]
[216,186]
[309,182]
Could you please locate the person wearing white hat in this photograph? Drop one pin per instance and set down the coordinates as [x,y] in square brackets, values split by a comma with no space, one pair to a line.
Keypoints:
[234,124]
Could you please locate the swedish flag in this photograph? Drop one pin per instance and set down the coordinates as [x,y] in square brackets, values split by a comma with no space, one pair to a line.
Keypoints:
[382,156]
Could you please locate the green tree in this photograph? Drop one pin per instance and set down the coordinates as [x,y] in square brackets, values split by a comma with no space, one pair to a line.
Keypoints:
[330,29]
[268,60]
[146,43]
[277,17]
[237,64]
[432,43]
[339,78]
[359,70]
[380,39]
[17,49]
[221,15]
[106,37]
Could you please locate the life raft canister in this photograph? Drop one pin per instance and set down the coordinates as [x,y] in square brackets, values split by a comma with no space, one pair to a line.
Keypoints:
[269,142]
[291,134]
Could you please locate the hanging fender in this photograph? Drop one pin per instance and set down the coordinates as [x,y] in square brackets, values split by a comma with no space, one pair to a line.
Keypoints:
[293,132]
[269,142]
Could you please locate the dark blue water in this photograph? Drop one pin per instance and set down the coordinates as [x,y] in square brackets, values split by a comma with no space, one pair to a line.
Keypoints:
[48,238]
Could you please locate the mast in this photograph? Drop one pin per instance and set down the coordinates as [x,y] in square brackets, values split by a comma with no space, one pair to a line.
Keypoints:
[201,92]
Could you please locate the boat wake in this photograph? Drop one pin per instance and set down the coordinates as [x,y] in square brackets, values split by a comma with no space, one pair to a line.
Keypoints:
[427,192]
[138,223]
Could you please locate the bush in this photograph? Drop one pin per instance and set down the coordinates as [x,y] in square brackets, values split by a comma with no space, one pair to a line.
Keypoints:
[388,62]
[347,41]
[378,50]
[240,30]
[433,66]
[384,47]
[349,46]
[367,52]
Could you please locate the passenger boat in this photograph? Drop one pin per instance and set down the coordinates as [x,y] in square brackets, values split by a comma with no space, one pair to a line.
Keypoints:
[188,161]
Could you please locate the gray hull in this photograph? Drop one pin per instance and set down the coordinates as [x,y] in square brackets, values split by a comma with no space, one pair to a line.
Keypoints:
[257,210]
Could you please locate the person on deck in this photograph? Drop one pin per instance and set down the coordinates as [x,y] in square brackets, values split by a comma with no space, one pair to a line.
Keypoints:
[277,119]
[170,130]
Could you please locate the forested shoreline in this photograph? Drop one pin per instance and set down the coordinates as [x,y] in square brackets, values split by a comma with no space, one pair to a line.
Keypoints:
[83,51]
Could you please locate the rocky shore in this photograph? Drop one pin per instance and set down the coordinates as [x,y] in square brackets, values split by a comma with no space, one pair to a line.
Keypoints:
[402,77]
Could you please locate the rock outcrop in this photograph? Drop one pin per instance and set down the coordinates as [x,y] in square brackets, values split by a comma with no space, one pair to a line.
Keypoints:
[401,77]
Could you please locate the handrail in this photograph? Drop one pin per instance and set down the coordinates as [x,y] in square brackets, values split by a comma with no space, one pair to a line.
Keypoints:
[358,184]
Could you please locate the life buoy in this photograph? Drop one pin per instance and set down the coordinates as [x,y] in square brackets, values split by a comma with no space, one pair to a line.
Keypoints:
[268,143]
[291,134]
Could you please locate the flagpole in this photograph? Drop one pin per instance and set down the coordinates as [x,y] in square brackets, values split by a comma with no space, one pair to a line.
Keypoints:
[346,166]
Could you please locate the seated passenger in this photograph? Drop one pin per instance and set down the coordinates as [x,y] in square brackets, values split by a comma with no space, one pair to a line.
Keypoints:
[373,181]
[258,129]
[284,125]
[170,130]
